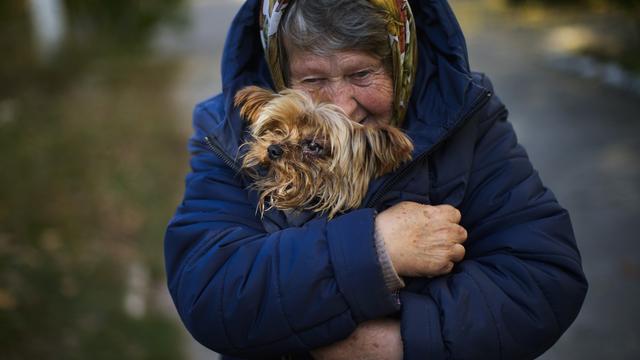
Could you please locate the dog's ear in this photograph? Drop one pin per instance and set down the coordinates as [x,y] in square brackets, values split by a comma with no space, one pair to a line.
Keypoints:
[250,100]
[388,147]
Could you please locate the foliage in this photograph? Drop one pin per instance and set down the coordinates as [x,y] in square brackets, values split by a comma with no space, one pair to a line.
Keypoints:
[91,163]
[628,5]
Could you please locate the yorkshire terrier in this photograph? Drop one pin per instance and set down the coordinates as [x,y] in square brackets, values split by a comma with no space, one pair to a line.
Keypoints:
[307,155]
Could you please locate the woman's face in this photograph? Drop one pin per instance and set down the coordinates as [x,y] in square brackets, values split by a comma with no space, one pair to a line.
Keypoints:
[355,81]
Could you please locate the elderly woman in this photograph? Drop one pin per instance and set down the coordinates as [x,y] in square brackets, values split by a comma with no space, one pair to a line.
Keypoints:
[462,253]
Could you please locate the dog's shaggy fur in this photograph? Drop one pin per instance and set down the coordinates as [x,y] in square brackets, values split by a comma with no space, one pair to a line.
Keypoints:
[312,156]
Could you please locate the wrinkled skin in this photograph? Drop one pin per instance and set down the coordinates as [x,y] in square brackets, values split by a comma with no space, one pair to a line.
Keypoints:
[353,80]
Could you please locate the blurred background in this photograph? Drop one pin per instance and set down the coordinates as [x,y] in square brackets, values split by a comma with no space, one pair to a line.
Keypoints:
[95,111]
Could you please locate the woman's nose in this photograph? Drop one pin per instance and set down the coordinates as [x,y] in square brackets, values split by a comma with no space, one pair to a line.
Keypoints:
[342,95]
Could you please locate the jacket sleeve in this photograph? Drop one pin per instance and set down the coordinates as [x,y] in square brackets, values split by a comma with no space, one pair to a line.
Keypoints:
[244,292]
[521,284]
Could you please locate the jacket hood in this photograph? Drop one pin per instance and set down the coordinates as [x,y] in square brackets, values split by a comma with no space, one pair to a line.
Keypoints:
[444,91]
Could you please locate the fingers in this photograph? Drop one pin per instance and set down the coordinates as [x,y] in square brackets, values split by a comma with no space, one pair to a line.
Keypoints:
[460,234]
[450,218]
[449,232]
[457,253]
[445,269]
[450,213]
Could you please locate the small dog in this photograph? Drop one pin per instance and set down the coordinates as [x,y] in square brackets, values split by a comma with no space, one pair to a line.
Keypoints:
[311,155]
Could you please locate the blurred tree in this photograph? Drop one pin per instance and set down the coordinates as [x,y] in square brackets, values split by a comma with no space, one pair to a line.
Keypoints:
[89,174]
[632,7]
[626,13]
[122,21]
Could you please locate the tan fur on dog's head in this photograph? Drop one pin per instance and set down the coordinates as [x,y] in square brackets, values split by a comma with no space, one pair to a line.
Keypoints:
[316,158]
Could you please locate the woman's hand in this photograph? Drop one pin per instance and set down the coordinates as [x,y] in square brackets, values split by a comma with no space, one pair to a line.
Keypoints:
[422,240]
[372,340]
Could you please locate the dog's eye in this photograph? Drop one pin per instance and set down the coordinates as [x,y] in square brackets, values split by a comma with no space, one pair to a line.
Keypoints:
[314,147]
[311,147]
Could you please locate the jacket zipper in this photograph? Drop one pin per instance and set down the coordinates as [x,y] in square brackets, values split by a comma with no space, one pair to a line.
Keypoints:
[480,102]
[218,151]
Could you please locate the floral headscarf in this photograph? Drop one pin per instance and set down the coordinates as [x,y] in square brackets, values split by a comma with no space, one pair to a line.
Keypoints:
[401,28]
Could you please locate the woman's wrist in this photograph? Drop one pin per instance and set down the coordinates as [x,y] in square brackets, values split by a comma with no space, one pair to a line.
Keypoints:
[392,280]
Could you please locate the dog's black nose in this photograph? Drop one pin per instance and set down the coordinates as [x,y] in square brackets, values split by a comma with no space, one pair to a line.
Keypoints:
[275,152]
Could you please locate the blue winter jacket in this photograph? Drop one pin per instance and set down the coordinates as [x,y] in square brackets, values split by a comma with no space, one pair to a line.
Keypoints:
[258,288]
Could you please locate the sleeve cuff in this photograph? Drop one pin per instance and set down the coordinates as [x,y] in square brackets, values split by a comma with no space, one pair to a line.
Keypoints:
[391,278]
[357,269]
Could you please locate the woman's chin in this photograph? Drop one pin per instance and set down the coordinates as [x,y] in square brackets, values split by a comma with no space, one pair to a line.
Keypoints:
[370,120]
[367,120]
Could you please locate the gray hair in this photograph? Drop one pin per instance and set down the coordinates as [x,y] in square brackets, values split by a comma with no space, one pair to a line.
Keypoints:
[323,27]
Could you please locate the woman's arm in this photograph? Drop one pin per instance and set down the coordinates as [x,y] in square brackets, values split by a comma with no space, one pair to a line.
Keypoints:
[421,240]
[372,340]
[244,292]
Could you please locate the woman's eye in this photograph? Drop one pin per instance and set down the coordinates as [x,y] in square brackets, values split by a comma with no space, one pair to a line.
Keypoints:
[312,81]
[362,78]
[361,74]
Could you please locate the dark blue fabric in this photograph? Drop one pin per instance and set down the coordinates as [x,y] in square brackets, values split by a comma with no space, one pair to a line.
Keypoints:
[261,288]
